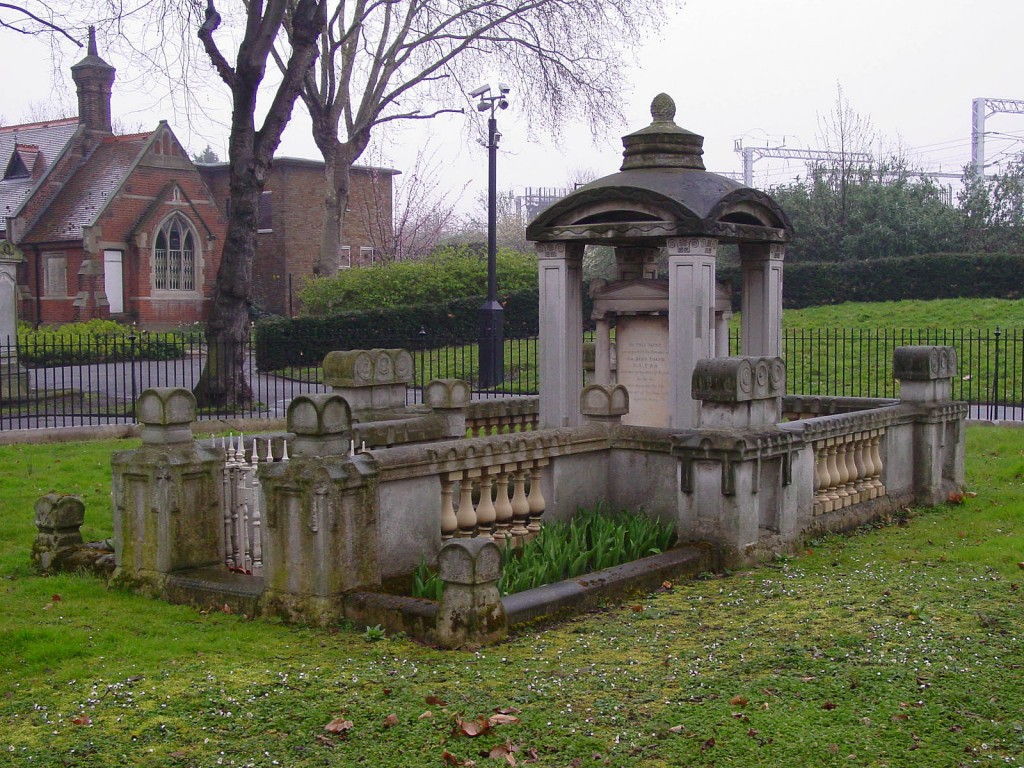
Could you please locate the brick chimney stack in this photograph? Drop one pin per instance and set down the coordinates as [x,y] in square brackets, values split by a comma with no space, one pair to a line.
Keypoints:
[93,78]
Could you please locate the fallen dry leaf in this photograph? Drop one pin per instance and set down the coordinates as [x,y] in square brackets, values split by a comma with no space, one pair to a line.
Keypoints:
[450,759]
[502,719]
[739,701]
[82,720]
[56,598]
[327,741]
[391,721]
[436,701]
[636,608]
[677,729]
[425,715]
[707,744]
[901,716]
[338,725]
[504,752]
[472,728]
[506,711]
[829,705]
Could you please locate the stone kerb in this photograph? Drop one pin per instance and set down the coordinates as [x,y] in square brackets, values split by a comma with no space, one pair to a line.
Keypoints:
[59,520]
[603,403]
[925,373]
[471,611]
[166,415]
[739,392]
[321,424]
[369,378]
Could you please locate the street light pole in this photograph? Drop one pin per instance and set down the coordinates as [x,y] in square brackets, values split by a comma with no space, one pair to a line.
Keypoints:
[491,346]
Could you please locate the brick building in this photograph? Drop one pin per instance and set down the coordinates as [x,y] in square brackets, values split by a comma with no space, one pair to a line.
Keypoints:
[129,227]
[291,224]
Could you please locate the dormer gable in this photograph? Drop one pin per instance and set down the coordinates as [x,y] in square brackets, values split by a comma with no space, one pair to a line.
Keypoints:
[23,162]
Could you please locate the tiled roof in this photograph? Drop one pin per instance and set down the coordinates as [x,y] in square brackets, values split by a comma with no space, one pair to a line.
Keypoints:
[87,192]
[50,137]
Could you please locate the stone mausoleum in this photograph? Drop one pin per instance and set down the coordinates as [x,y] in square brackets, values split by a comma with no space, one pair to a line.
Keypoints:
[330,519]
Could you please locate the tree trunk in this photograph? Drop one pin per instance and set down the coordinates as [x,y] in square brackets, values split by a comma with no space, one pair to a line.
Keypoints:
[223,382]
[339,157]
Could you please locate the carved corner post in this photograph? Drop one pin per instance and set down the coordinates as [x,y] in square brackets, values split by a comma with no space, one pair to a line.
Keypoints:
[926,376]
[59,521]
[604,403]
[471,612]
[320,527]
[167,515]
[449,398]
[736,472]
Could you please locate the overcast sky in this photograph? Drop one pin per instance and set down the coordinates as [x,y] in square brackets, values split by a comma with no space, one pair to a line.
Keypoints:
[763,71]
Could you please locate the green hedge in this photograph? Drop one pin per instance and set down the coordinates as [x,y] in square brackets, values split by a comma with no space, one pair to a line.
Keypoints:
[929,276]
[95,341]
[449,275]
[304,341]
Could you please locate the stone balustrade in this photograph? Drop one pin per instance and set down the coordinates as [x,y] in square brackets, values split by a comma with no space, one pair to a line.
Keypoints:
[503,501]
[797,407]
[509,414]
[847,470]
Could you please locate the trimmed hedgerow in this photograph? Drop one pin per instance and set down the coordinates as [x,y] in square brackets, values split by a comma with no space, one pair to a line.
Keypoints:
[304,341]
[448,275]
[94,341]
[929,276]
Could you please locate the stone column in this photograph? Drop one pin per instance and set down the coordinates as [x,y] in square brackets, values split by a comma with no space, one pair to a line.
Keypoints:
[602,352]
[691,307]
[167,514]
[761,264]
[722,333]
[13,378]
[471,611]
[926,376]
[560,277]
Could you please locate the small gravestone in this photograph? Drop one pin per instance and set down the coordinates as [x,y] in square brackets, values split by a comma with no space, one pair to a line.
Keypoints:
[59,521]
[471,612]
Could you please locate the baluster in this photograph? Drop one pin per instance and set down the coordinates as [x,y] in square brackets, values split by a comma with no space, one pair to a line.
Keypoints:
[820,480]
[449,523]
[876,462]
[239,518]
[520,506]
[536,497]
[832,490]
[227,499]
[849,446]
[284,450]
[270,453]
[502,506]
[256,513]
[485,512]
[862,486]
[465,514]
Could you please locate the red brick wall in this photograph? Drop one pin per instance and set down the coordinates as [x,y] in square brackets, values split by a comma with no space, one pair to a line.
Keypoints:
[296,191]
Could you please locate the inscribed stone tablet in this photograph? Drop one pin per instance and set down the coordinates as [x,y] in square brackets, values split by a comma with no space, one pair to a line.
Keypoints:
[642,347]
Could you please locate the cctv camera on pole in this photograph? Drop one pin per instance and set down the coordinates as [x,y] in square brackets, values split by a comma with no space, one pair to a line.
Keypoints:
[492,96]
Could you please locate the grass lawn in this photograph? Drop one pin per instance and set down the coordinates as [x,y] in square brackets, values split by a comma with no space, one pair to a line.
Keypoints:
[896,646]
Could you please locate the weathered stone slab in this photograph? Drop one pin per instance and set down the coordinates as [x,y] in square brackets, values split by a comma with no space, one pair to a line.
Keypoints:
[642,348]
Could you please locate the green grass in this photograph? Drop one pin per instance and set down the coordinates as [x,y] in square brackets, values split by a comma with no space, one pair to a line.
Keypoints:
[939,313]
[897,646]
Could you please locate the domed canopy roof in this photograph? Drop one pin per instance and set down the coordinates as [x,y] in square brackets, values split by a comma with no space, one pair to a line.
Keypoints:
[662,190]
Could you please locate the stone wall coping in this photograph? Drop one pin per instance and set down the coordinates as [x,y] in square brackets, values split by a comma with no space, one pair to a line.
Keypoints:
[840,424]
[476,452]
[825,405]
[638,438]
[738,379]
[505,406]
[735,444]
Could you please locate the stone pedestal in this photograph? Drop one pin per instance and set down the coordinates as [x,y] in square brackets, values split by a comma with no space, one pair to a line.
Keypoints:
[761,264]
[13,378]
[926,376]
[369,379]
[471,612]
[560,275]
[691,281]
[320,535]
[59,521]
[166,495]
[736,471]
[449,398]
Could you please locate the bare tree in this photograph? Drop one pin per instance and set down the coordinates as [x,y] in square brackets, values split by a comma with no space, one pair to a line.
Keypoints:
[423,210]
[390,60]
[250,151]
[847,133]
[34,17]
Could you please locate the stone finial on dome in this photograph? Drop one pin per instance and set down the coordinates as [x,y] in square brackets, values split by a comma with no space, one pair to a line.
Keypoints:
[663,109]
[662,144]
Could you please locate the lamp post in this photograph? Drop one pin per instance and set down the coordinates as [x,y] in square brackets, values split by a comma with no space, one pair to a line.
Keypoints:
[491,352]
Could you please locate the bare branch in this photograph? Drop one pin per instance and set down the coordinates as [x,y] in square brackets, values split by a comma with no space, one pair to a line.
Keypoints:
[37,19]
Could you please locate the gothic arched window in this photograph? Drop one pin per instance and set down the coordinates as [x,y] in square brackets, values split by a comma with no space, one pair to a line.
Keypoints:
[174,256]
